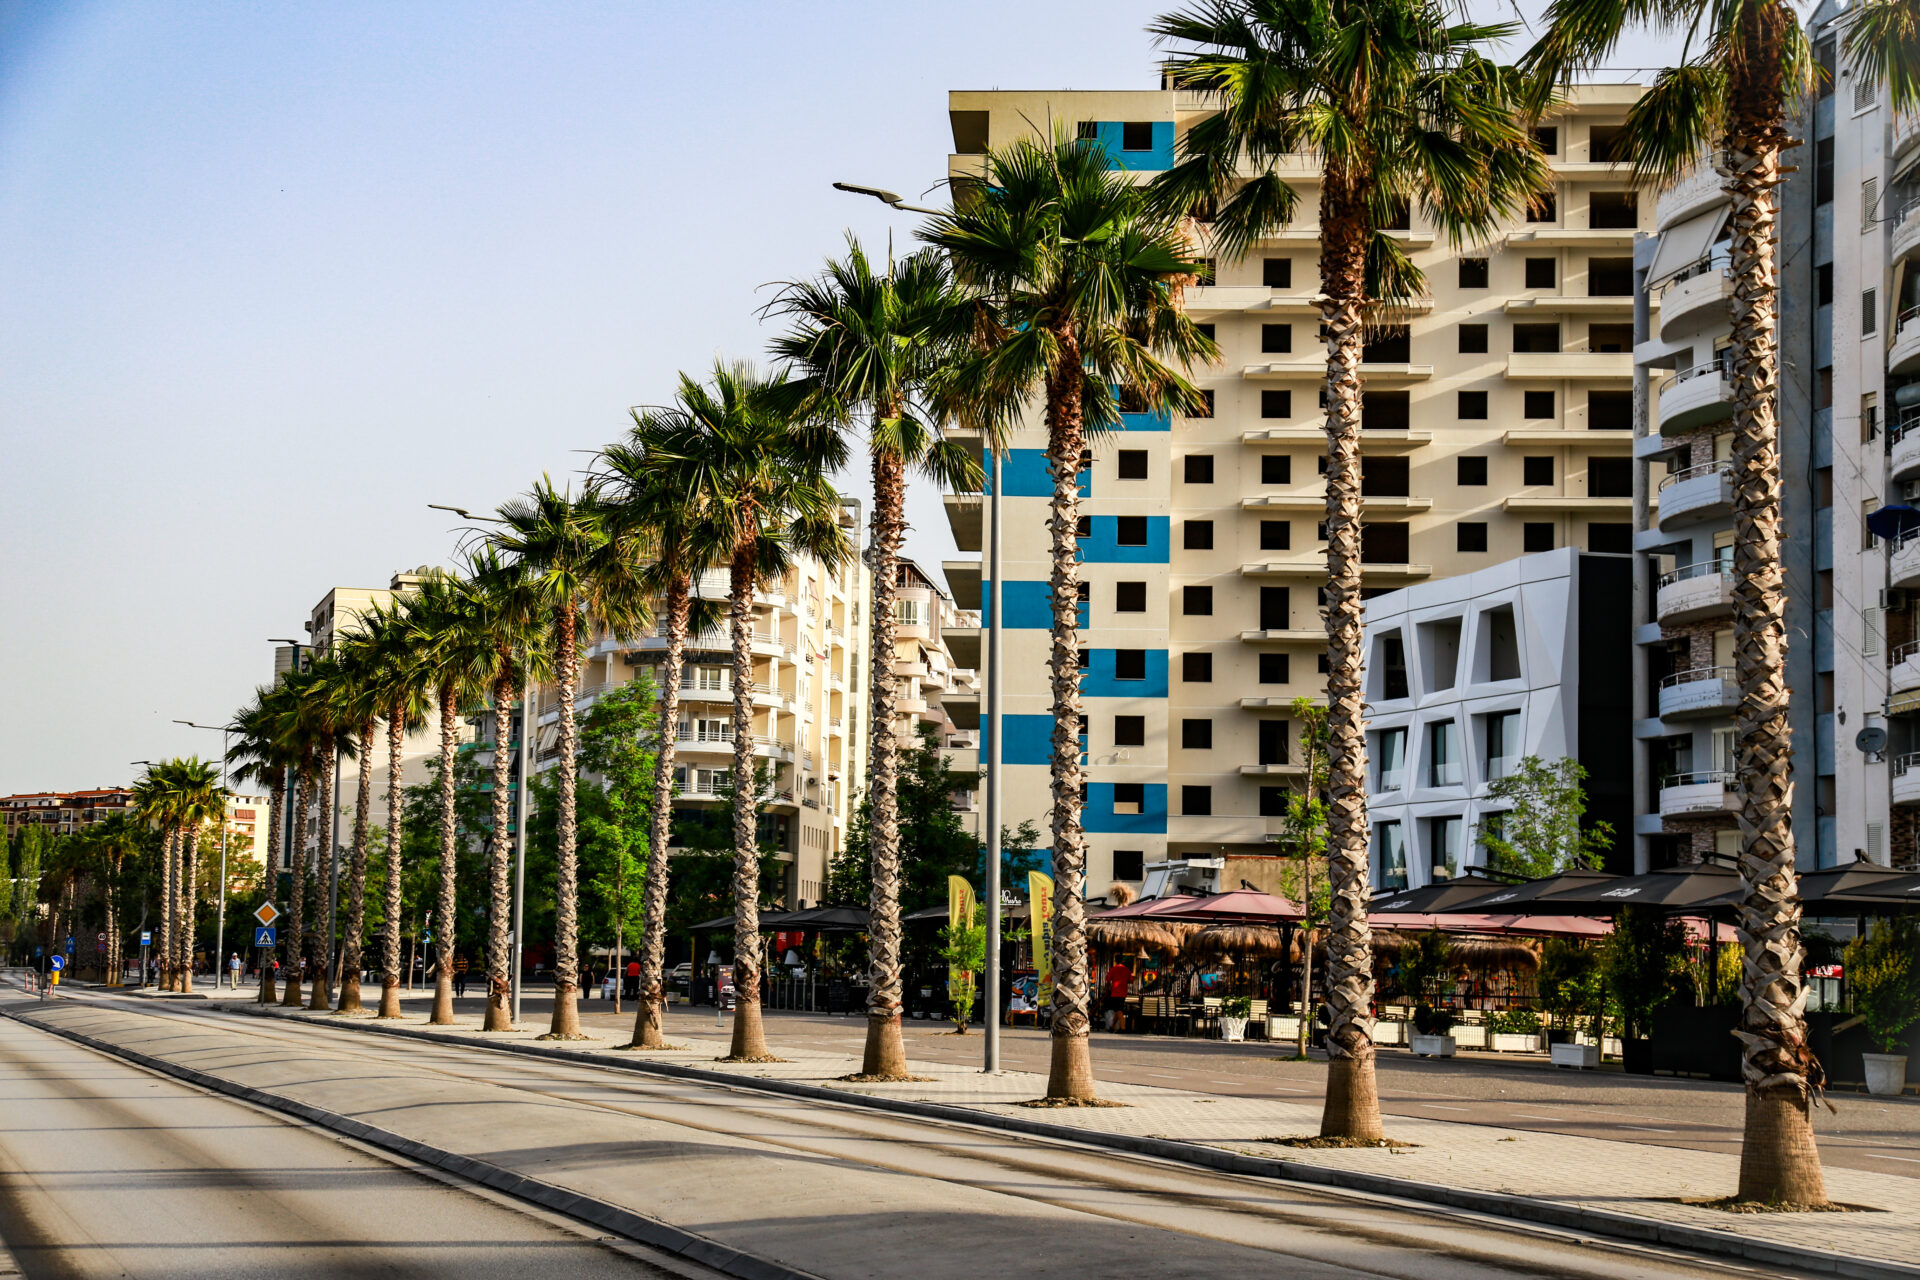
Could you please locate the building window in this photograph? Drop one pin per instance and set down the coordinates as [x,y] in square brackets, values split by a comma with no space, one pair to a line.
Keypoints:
[1823,171]
[1547,138]
[1083,527]
[1132,464]
[1614,338]
[1276,468]
[1273,741]
[1273,802]
[1276,339]
[1129,597]
[1443,846]
[1536,470]
[1609,477]
[1388,344]
[1385,543]
[1276,535]
[1129,864]
[1392,652]
[1276,404]
[1197,468]
[1607,144]
[1443,754]
[1276,608]
[1610,410]
[1196,735]
[1136,135]
[1470,470]
[1537,404]
[1086,131]
[1197,535]
[1130,531]
[1083,605]
[1503,744]
[1613,210]
[1129,797]
[1385,477]
[1823,285]
[1610,538]
[1537,337]
[1540,273]
[1277,273]
[1273,668]
[1196,802]
[1385,411]
[1390,856]
[1390,760]
[1129,731]
[1196,668]
[1609,277]
[1473,273]
[1869,311]
[1473,339]
[1129,664]
[1473,406]
[1196,602]
[1536,536]
[1471,535]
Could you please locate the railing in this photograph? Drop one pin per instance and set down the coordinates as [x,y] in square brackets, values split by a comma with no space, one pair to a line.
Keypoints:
[1444,774]
[1392,779]
[1694,270]
[1904,764]
[1711,367]
[1907,210]
[1905,318]
[1909,419]
[1899,541]
[1699,778]
[1699,569]
[1692,674]
[1901,653]
[1694,473]
[685,734]
[1499,767]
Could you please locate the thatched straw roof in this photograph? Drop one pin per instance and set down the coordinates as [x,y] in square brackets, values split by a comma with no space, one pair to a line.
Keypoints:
[1467,953]
[1234,940]
[1120,894]
[1161,935]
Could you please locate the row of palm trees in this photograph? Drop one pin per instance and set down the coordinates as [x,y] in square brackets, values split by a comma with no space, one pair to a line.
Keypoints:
[179,799]
[1055,283]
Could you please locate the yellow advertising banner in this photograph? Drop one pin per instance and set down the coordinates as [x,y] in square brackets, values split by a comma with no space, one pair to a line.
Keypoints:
[1040,923]
[960,903]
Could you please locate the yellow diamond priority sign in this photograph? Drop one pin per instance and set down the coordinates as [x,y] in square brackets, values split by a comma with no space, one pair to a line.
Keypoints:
[267,914]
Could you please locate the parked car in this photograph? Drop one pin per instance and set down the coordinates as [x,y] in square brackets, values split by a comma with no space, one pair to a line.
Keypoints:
[682,973]
[607,985]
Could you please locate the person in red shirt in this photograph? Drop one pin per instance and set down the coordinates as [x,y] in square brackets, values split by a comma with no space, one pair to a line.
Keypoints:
[1118,979]
[630,989]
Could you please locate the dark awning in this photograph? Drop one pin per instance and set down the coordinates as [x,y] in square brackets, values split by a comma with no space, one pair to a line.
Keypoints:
[1441,895]
[1525,898]
[1892,521]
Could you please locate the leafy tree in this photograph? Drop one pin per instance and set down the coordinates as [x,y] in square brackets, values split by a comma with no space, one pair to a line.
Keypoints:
[1307,879]
[1643,963]
[1542,833]
[964,948]
[934,843]
[1883,968]
[1570,983]
[617,746]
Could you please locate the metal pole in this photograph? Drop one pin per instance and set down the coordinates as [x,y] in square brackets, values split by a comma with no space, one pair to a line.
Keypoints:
[220,929]
[520,841]
[333,868]
[992,762]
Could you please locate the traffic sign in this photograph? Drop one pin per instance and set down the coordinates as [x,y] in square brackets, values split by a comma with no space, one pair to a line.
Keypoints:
[100,945]
[267,914]
[100,938]
[57,963]
[146,937]
[263,936]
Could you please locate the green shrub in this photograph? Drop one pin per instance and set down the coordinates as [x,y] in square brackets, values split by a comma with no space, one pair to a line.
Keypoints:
[1516,1022]
[1883,971]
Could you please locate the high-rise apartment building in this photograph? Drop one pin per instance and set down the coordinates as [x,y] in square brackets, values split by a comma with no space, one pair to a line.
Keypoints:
[1497,421]
[1849,370]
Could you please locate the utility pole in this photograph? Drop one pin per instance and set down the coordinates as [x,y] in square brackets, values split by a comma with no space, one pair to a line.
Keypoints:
[527,721]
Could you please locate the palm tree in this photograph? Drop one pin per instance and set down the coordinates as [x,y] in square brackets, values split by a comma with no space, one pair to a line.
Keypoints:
[360,696]
[1743,71]
[111,841]
[760,475]
[577,576]
[330,706]
[882,345]
[660,522]
[255,757]
[397,683]
[297,729]
[199,798]
[446,628]
[1080,281]
[1401,106]
[154,802]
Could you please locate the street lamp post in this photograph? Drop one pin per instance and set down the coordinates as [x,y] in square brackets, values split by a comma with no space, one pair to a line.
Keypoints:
[220,917]
[289,807]
[991,764]
[143,914]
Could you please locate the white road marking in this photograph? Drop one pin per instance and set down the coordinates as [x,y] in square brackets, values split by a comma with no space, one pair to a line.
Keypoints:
[1902,1159]
[1644,1129]
[1438,1106]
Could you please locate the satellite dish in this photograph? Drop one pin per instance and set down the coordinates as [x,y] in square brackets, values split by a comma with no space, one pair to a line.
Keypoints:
[1872,740]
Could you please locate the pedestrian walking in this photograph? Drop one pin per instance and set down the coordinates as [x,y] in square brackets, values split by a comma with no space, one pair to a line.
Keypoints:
[234,966]
[630,988]
[460,976]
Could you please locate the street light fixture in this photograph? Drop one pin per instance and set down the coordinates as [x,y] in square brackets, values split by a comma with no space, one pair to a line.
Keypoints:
[990,766]
[220,927]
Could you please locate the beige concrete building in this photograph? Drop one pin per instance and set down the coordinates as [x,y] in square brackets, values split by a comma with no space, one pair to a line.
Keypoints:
[1498,421]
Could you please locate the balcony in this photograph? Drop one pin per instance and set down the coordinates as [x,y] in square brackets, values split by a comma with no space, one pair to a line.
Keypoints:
[963,579]
[1904,355]
[1702,285]
[1280,770]
[1903,446]
[1697,192]
[1372,440]
[1696,495]
[1694,593]
[1703,691]
[1906,230]
[1903,669]
[1906,139]
[965,518]
[1695,398]
[1541,237]
[1371,504]
[1903,569]
[1216,299]
[1371,372]
[1696,795]
[1906,779]
[1276,636]
[1563,502]
[1585,365]
[1317,568]
[964,644]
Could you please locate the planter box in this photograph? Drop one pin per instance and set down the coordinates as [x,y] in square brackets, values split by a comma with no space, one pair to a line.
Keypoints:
[1636,1056]
[1234,1029]
[1286,1027]
[1581,1057]
[1514,1042]
[1468,1036]
[1433,1046]
[1886,1072]
[1390,1032]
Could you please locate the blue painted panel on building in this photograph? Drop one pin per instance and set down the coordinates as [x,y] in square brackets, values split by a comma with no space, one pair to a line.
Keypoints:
[1028,605]
[1146,422]
[1823,117]
[1822,337]
[1823,437]
[1102,546]
[1823,640]
[1028,740]
[1823,743]
[1823,537]
[1100,819]
[1109,134]
[1025,475]
[1823,234]
[1824,831]
[1099,680]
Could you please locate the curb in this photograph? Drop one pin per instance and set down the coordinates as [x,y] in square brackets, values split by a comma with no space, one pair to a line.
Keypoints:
[1600,1222]
[633,1226]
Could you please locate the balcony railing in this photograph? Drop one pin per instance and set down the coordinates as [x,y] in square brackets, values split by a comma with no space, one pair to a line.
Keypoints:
[1692,674]
[1712,368]
[1902,765]
[1699,569]
[1694,473]
[1699,778]
[1905,318]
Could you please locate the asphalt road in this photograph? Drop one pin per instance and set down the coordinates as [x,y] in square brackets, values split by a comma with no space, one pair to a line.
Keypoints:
[834,1190]
[109,1170]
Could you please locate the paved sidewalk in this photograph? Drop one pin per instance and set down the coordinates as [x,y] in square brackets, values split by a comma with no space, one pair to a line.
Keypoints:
[1611,1176]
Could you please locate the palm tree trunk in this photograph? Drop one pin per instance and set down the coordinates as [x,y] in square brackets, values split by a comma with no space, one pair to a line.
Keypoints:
[183,929]
[1071,1073]
[320,993]
[886,1055]
[1352,1107]
[749,1038]
[168,841]
[449,864]
[566,887]
[357,879]
[649,1019]
[390,940]
[114,967]
[297,892]
[500,851]
[1778,1161]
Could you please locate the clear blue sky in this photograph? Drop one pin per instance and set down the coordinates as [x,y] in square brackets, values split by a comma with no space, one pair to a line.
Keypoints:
[276,276]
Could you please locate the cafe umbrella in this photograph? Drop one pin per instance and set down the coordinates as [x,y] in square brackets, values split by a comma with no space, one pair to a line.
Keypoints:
[1525,897]
[1441,895]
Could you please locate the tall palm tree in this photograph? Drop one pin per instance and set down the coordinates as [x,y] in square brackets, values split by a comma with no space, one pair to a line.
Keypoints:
[760,475]
[200,798]
[297,728]
[334,713]
[397,683]
[359,696]
[112,841]
[1402,107]
[1744,69]
[154,801]
[661,523]
[1080,281]
[447,630]
[256,757]
[883,345]
[578,577]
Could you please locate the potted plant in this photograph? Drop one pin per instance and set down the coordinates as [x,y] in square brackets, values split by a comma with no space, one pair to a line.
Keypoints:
[1569,987]
[1513,1031]
[1883,971]
[1643,960]
[1235,1011]
[1427,974]
[1431,1028]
